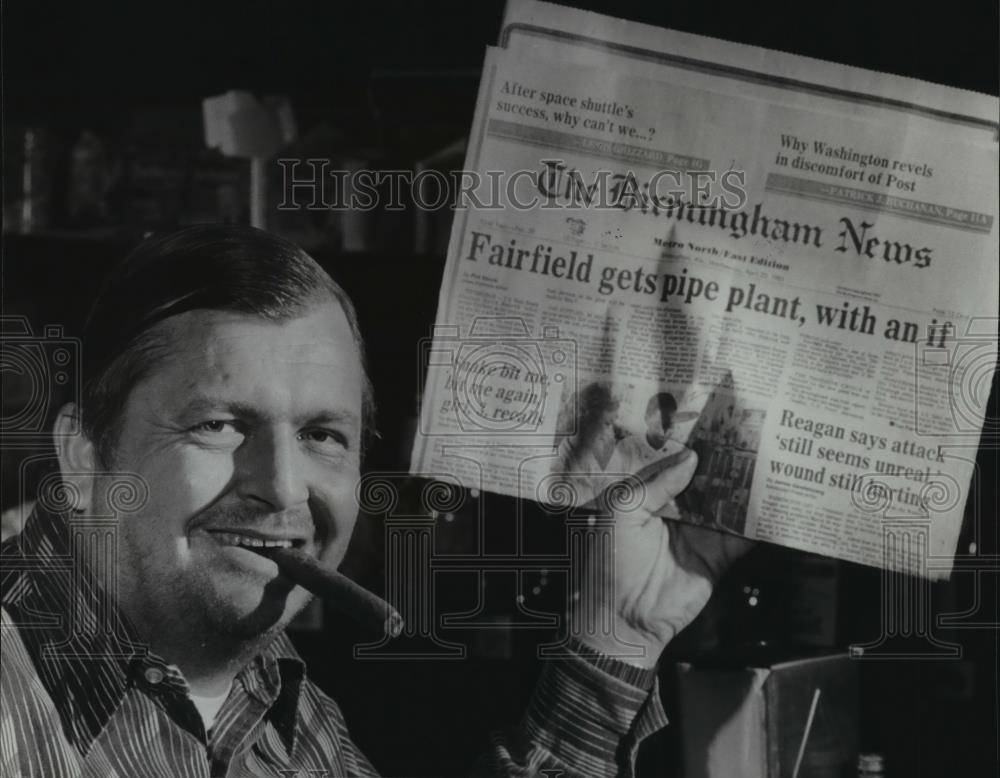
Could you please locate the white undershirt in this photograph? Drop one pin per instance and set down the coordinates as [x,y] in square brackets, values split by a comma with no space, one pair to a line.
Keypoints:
[208,706]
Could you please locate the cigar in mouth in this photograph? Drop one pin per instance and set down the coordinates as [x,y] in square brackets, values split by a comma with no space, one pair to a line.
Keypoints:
[336,589]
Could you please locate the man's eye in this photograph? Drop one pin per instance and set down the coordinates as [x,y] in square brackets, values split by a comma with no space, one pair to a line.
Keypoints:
[324,437]
[216,428]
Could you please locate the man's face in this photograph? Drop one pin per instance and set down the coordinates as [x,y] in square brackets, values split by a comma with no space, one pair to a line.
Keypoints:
[248,432]
[605,427]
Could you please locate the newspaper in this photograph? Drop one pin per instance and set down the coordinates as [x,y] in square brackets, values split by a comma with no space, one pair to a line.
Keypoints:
[773,278]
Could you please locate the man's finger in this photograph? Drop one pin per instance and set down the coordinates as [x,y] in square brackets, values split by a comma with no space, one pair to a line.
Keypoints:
[665,479]
[706,550]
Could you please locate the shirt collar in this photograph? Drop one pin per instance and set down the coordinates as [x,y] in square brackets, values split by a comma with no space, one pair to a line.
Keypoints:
[87,653]
[283,672]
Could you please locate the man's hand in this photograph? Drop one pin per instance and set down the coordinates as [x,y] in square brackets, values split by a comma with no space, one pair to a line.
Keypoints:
[664,572]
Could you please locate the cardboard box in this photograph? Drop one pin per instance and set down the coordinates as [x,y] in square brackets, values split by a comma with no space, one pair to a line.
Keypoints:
[749,721]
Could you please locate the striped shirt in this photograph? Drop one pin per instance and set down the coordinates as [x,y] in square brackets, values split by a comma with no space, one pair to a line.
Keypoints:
[83,697]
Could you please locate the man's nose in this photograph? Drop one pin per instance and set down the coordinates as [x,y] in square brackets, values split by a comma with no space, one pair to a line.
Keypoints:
[271,470]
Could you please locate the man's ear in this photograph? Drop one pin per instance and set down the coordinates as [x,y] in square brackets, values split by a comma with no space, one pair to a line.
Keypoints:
[77,457]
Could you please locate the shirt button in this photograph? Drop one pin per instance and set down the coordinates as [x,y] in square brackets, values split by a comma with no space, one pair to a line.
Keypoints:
[154,675]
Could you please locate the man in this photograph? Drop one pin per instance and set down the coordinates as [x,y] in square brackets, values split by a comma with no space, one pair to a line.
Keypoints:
[656,451]
[583,456]
[225,386]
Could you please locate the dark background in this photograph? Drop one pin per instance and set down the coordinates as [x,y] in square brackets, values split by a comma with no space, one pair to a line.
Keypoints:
[397,81]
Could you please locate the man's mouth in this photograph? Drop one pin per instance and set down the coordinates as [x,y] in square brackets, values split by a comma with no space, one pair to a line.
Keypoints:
[255,540]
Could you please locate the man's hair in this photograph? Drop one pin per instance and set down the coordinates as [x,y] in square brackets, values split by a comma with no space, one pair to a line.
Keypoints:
[662,403]
[206,267]
[595,400]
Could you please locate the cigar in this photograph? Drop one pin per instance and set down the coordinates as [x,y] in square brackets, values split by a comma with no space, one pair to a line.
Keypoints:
[336,589]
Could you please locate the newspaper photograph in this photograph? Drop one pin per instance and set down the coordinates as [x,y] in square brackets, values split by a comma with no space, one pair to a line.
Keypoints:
[787,305]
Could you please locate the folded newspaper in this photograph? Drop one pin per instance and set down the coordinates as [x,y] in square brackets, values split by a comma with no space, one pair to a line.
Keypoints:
[773,277]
